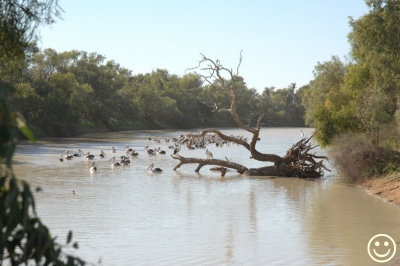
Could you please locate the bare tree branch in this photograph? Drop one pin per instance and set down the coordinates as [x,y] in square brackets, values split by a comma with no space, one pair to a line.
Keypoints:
[298,160]
[202,162]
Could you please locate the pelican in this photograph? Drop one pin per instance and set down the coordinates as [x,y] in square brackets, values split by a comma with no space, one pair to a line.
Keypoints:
[102,154]
[123,157]
[68,157]
[114,164]
[125,162]
[89,156]
[92,168]
[113,150]
[154,170]
[128,149]
[190,147]
[149,151]
[133,154]
[79,154]
[209,154]
[159,151]
[177,149]
[302,134]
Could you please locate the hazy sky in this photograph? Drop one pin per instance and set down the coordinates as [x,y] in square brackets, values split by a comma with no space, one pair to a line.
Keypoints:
[281,40]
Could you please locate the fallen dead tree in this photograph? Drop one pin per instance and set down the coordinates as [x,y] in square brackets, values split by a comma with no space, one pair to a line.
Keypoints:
[299,161]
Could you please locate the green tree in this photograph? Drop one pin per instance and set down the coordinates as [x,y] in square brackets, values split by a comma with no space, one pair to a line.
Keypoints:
[328,76]
[18,24]
[361,97]
[282,107]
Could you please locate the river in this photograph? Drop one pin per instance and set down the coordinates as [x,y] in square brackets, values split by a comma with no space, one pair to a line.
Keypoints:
[126,216]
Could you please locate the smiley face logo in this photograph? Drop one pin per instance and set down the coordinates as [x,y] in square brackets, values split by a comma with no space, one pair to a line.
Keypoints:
[381,248]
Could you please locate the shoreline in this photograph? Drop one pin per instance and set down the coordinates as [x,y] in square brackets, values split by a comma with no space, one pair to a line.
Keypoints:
[105,130]
[385,187]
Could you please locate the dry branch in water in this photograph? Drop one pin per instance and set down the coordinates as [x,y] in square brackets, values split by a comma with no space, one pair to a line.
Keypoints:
[299,161]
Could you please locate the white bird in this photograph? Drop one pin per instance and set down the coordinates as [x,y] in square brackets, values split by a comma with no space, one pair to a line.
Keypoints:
[89,156]
[79,154]
[209,154]
[123,157]
[113,150]
[114,164]
[102,154]
[149,151]
[133,154]
[125,162]
[177,149]
[68,157]
[92,168]
[128,149]
[154,170]
[159,151]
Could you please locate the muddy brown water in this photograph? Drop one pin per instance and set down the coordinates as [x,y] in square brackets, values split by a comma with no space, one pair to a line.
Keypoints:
[126,216]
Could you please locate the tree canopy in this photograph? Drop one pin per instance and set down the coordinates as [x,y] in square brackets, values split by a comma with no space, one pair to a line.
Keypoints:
[63,94]
[362,95]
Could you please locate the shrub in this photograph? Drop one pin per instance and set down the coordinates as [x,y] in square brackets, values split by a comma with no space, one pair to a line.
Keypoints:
[357,159]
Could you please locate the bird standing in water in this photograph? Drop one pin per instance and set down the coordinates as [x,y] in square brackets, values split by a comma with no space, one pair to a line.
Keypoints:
[177,149]
[114,164]
[209,154]
[92,168]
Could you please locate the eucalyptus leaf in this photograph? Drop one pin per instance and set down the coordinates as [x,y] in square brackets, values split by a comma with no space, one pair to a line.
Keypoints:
[69,237]
[21,124]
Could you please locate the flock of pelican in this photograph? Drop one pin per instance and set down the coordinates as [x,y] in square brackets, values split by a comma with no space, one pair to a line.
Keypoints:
[124,160]
[130,154]
[195,142]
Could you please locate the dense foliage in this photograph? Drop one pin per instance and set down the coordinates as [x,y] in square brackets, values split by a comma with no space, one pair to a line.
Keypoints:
[68,93]
[24,239]
[360,98]
[18,24]
[362,95]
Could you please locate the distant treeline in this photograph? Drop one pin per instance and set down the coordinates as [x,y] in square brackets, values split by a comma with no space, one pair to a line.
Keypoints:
[64,94]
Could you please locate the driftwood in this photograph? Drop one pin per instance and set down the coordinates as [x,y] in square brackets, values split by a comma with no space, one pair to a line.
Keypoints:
[299,161]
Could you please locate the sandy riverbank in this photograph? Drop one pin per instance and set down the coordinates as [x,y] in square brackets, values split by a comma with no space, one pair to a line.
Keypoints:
[385,187]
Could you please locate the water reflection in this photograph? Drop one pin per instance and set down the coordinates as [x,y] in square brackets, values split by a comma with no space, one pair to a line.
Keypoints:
[341,221]
[126,216]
